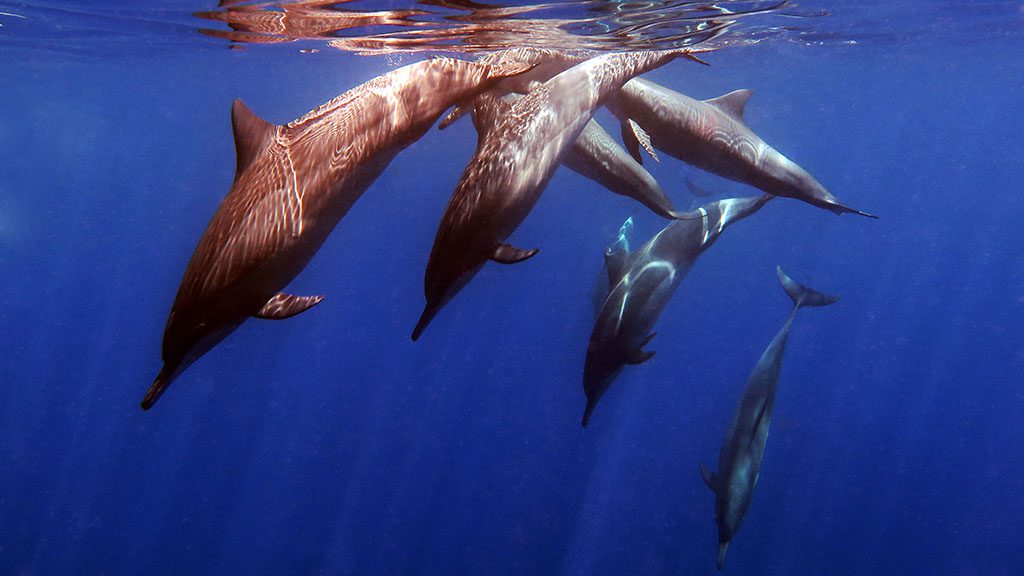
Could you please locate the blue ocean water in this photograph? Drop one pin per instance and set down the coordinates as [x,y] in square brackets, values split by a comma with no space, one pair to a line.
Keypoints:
[331,444]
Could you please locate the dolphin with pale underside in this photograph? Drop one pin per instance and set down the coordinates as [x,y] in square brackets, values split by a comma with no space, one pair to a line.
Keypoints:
[641,284]
[739,462]
[713,136]
[518,151]
[293,183]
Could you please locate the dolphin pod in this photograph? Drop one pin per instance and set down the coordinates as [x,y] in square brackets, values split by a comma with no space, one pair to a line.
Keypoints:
[516,156]
[739,462]
[641,284]
[533,111]
[293,183]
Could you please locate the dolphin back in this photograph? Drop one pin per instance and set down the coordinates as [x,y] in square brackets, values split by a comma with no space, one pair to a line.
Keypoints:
[802,295]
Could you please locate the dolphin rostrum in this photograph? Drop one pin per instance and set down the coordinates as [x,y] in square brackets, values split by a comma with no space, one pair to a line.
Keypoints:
[517,153]
[293,183]
[641,283]
[739,462]
[713,136]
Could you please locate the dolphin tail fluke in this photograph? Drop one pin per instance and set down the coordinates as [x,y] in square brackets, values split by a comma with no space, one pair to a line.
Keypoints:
[589,410]
[802,295]
[841,209]
[156,390]
[723,547]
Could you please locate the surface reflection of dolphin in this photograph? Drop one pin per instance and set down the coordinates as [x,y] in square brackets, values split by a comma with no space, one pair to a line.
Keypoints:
[293,183]
[517,152]
[641,283]
[739,462]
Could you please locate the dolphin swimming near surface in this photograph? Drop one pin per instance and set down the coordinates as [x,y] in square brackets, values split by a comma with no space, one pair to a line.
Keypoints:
[641,283]
[713,136]
[739,462]
[293,183]
[517,153]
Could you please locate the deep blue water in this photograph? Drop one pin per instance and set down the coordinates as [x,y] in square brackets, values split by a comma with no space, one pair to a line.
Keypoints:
[331,444]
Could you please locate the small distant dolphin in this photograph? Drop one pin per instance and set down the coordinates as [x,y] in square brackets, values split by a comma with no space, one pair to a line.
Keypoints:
[641,285]
[517,152]
[293,183]
[739,462]
[713,136]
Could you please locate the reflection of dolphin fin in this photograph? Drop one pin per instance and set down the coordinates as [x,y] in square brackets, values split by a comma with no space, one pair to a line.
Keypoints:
[733,103]
[282,306]
[252,134]
[644,139]
[710,479]
[508,254]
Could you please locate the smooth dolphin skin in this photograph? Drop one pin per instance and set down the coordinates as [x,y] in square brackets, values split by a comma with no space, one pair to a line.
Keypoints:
[739,462]
[293,183]
[641,285]
[517,153]
[595,155]
[713,136]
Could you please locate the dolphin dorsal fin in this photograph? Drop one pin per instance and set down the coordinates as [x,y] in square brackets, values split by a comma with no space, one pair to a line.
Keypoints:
[710,479]
[643,139]
[252,134]
[733,103]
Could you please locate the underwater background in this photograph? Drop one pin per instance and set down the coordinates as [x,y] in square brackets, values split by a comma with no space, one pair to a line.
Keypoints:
[331,444]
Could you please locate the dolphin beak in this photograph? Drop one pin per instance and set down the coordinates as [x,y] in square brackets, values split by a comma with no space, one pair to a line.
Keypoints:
[591,404]
[429,311]
[160,384]
[722,547]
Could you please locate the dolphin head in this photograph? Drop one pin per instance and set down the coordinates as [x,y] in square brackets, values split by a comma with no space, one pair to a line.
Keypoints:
[602,367]
[783,177]
[722,213]
[723,546]
[446,275]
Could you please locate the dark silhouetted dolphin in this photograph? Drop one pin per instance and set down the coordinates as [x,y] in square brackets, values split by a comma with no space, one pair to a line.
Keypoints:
[293,183]
[641,283]
[739,462]
[713,136]
[518,150]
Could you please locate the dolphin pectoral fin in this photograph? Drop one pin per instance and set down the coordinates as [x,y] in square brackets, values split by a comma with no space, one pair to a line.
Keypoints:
[282,306]
[637,357]
[710,478]
[508,254]
[615,263]
[457,112]
[630,142]
[644,139]
[734,103]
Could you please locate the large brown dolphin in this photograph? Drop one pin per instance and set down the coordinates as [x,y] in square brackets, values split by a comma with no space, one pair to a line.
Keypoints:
[514,160]
[293,183]
[713,136]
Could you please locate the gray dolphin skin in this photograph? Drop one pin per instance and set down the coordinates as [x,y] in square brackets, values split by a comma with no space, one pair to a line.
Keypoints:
[739,462]
[713,136]
[641,283]
[293,183]
[516,155]
[595,155]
